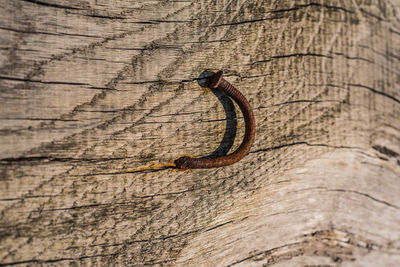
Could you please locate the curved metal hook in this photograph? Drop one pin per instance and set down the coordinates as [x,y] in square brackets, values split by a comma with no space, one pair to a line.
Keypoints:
[216,81]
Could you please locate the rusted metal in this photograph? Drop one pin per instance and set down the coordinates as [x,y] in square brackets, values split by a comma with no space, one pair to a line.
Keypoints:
[216,81]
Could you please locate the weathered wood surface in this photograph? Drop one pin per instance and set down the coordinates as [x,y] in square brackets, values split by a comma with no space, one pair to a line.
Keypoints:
[94,93]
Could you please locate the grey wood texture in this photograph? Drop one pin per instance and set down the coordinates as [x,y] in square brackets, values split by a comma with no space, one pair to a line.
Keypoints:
[98,97]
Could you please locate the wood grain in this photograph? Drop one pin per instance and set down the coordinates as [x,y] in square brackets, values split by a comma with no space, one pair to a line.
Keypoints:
[98,96]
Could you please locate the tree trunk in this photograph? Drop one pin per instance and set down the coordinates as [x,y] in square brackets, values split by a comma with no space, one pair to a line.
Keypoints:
[99,97]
